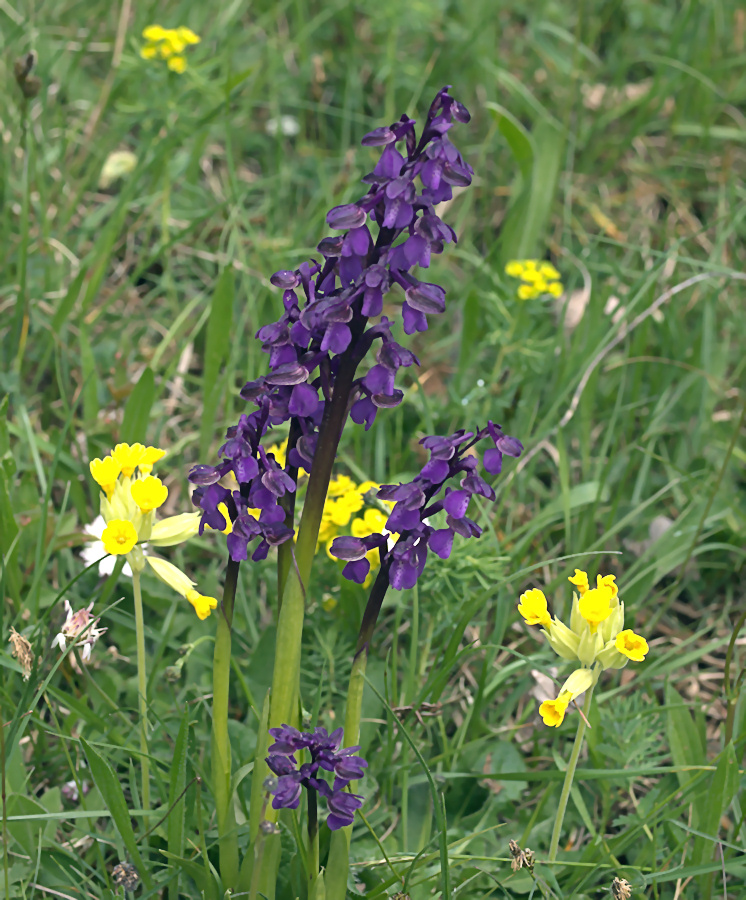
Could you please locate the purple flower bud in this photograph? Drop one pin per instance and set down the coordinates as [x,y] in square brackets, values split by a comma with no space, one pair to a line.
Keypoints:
[204,475]
[347,216]
[427,298]
[509,445]
[378,137]
[285,279]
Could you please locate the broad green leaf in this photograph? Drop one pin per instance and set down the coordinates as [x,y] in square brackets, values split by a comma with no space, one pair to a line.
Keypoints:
[519,140]
[710,805]
[111,790]
[137,409]
[90,376]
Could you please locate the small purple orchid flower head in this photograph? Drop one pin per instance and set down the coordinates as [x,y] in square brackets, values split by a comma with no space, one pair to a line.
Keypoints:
[417,502]
[325,756]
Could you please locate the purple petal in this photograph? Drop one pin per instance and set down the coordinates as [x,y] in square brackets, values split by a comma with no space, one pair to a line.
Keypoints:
[441,542]
[347,216]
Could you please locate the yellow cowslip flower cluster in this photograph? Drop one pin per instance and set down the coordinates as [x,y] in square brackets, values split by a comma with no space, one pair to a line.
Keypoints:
[596,637]
[538,277]
[130,496]
[168,44]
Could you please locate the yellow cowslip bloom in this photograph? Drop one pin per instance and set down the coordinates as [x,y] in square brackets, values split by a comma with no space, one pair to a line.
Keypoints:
[631,645]
[373,521]
[119,537]
[340,485]
[594,606]
[203,606]
[580,580]
[105,473]
[150,458]
[174,529]
[149,493]
[553,711]
[607,581]
[533,608]
[128,457]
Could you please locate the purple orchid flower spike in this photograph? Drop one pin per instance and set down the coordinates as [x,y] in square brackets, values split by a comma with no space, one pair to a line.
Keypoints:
[325,755]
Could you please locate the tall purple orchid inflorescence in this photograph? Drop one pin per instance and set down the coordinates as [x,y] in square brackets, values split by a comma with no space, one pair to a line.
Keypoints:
[332,318]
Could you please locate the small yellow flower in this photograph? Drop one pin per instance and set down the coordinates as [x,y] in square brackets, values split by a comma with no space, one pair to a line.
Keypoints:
[149,493]
[119,537]
[105,473]
[553,711]
[514,268]
[203,606]
[168,44]
[538,277]
[607,581]
[150,458]
[580,580]
[373,521]
[526,292]
[533,608]
[595,606]
[340,485]
[555,288]
[128,457]
[631,645]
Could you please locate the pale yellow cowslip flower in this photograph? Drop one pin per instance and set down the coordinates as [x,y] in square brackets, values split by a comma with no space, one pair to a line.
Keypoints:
[533,608]
[129,457]
[595,606]
[149,493]
[105,473]
[580,580]
[596,637]
[119,537]
[553,711]
[631,645]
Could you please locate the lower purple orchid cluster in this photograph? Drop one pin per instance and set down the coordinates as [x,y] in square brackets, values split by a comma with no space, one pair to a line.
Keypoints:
[416,503]
[325,754]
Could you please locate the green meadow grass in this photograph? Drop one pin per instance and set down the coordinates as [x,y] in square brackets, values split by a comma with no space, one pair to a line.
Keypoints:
[607,136]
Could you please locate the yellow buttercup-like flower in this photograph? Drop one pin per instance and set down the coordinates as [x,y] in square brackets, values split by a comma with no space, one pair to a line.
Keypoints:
[129,457]
[149,493]
[119,537]
[151,456]
[607,581]
[203,606]
[553,711]
[580,580]
[631,645]
[533,608]
[594,606]
[105,473]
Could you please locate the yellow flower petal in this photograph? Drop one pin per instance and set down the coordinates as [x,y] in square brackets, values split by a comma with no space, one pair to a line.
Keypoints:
[631,645]
[105,473]
[553,711]
[149,51]
[189,37]
[150,458]
[203,606]
[170,574]
[514,268]
[149,493]
[607,581]
[128,457]
[580,580]
[178,64]
[154,33]
[595,606]
[119,537]
[526,292]
[533,608]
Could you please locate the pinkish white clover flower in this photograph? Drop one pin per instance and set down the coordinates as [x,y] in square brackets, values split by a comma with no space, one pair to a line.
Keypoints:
[80,629]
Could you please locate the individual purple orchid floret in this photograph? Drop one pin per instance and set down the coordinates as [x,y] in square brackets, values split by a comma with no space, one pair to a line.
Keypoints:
[330,321]
[418,501]
[324,750]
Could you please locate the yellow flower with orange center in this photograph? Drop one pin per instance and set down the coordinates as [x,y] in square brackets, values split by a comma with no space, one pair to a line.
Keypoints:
[119,537]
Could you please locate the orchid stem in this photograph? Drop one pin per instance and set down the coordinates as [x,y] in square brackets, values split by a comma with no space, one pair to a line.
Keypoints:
[313,844]
[142,688]
[570,774]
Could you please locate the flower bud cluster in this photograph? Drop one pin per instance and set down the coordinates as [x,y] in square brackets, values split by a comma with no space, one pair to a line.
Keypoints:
[596,637]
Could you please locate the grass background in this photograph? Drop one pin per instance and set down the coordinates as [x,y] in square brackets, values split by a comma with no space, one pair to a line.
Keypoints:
[607,136]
